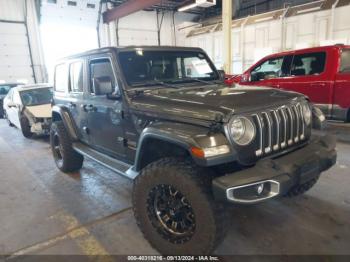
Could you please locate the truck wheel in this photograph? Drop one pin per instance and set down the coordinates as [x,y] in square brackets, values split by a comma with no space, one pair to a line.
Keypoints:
[66,158]
[25,127]
[175,210]
[301,189]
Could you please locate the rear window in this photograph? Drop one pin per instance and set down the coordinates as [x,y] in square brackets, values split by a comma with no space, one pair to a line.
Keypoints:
[345,61]
[61,78]
[308,64]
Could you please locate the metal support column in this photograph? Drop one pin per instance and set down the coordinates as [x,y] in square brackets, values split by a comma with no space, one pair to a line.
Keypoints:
[226,29]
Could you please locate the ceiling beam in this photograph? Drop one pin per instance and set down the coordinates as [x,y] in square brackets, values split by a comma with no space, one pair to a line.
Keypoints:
[127,8]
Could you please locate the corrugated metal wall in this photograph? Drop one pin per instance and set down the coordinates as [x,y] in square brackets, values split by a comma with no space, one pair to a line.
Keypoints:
[20,48]
[253,41]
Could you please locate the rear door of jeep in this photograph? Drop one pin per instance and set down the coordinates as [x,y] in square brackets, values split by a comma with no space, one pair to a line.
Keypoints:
[69,86]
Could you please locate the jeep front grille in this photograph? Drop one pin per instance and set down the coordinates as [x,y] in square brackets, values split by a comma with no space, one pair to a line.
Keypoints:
[279,128]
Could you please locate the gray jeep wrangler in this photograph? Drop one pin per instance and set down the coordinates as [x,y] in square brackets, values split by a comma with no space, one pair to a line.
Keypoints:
[163,117]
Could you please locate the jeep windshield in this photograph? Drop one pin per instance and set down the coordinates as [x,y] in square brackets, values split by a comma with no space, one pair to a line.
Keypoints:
[35,97]
[147,68]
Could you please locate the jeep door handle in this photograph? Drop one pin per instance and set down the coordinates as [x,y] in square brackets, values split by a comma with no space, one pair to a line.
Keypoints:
[72,105]
[89,108]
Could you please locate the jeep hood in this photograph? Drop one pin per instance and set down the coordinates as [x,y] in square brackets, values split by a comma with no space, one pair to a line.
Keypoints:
[210,102]
[40,111]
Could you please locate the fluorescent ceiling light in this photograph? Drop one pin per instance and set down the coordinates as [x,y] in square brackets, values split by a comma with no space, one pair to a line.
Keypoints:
[264,19]
[186,7]
[309,10]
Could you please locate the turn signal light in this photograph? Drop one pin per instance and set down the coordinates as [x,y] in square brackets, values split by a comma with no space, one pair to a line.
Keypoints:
[210,151]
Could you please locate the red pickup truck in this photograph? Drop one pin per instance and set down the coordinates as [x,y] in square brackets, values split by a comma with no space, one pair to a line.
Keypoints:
[321,73]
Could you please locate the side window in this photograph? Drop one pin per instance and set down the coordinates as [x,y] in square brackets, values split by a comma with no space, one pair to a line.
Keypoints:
[308,64]
[76,77]
[268,69]
[345,61]
[61,78]
[101,76]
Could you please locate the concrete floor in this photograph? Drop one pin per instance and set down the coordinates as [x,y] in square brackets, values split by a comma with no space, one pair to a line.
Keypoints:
[43,211]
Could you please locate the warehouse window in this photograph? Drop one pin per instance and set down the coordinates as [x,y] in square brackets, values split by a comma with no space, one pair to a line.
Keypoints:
[90,6]
[76,77]
[61,78]
[308,64]
[345,61]
[72,3]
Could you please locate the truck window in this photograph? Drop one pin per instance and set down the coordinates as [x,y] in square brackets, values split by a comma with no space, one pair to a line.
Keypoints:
[100,69]
[308,64]
[345,61]
[61,78]
[266,70]
[76,77]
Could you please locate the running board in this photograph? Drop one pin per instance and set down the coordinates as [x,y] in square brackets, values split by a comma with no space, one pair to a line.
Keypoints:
[115,165]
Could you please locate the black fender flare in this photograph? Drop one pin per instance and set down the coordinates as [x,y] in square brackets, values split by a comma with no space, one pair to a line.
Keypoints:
[65,116]
[185,136]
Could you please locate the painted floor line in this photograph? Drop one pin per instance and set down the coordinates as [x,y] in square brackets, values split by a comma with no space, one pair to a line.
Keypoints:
[73,232]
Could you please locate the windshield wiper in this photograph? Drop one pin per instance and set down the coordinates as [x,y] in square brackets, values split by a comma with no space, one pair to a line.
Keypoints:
[153,83]
[198,80]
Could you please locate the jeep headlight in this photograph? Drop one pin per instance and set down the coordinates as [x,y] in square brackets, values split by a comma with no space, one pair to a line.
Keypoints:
[242,130]
[307,113]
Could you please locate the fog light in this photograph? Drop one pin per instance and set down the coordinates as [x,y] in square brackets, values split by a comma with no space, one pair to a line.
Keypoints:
[259,189]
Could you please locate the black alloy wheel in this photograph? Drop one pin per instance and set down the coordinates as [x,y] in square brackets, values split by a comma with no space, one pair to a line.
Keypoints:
[171,214]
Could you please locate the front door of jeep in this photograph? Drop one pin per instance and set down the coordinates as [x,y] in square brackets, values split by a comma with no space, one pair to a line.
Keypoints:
[105,115]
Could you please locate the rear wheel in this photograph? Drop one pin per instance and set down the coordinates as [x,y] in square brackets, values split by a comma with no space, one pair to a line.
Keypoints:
[66,158]
[175,210]
[7,119]
[25,127]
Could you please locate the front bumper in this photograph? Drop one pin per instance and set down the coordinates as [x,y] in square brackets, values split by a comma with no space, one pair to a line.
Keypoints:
[41,128]
[273,177]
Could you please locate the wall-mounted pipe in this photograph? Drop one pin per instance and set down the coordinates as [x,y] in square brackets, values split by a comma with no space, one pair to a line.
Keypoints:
[283,16]
[98,24]
[28,40]
[331,24]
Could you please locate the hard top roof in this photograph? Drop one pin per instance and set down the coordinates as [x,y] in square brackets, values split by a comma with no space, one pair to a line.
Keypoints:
[132,48]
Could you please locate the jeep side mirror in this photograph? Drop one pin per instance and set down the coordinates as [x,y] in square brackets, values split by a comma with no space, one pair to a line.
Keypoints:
[221,74]
[102,85]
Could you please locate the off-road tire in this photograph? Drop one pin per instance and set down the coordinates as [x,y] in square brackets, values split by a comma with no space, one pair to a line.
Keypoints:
[302,188]
[67,159]
[25,127]
[7,119]
[194,184]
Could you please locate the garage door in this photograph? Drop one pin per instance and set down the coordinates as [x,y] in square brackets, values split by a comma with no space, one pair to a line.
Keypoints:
[15,62]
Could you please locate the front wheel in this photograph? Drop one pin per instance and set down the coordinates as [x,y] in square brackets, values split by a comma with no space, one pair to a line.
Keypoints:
[175,210]
[25,127]
[66,158]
